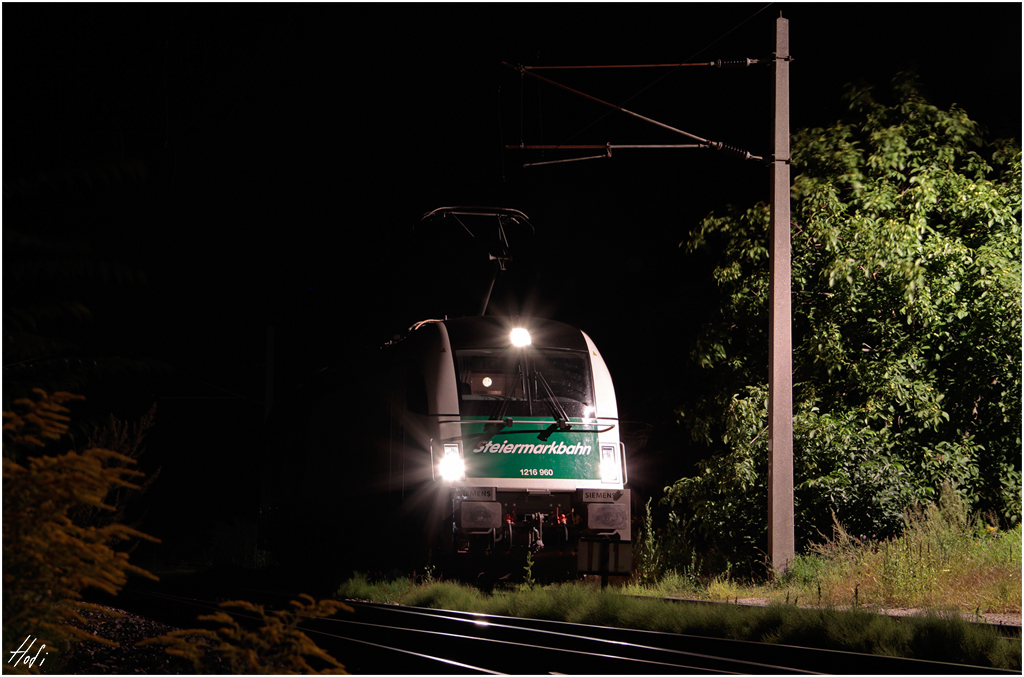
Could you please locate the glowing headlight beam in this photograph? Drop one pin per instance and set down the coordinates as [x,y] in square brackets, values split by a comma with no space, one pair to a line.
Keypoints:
[520,337]
[610,471]
[452,467]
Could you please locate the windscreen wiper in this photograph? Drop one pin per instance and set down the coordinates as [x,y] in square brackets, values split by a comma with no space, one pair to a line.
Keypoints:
[507,422]
[560,415]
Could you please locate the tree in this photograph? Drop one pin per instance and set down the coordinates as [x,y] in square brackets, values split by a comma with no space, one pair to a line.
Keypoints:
[906,274]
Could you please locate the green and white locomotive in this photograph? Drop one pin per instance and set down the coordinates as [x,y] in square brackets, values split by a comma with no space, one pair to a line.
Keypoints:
[514,425]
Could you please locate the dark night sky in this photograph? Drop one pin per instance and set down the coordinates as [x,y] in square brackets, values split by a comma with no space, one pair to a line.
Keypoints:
[289,150]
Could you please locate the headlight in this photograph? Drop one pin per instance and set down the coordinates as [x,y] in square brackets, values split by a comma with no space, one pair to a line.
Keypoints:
[519,337]
[610,471]
[451,466]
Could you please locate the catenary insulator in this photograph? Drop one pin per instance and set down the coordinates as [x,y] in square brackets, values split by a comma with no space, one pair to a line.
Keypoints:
[730,150]
[734,63]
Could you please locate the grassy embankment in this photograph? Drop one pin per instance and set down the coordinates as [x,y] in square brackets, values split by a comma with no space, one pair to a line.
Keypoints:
[944,563]
[945,559]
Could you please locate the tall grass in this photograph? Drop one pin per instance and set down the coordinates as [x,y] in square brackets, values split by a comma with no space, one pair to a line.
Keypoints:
[945,559]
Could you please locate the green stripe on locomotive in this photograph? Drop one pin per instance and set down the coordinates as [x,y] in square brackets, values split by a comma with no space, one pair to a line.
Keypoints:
[526,450]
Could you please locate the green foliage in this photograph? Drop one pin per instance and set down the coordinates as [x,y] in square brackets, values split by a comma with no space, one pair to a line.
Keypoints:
[438,595]
[668,584]
[360,587]
[649,554]
[276,646]
[906,292]
[528,581]
[665,561]
[48,560]
[945,558]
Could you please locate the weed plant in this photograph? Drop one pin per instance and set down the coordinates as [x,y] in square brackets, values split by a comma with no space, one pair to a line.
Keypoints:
[945,559]
[682,582]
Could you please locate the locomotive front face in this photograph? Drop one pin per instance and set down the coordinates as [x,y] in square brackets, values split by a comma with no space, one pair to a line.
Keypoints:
[537,389]
[536,409]
[527,437]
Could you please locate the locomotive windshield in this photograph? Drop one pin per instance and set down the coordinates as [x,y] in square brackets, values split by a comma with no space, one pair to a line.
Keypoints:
[535,383]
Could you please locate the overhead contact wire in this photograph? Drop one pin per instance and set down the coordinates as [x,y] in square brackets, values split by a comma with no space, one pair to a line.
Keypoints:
[631,65]
[610,105]
[665,75]
[694,55]
[715,145]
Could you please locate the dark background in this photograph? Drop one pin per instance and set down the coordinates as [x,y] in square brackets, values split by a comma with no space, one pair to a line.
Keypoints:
[195,174]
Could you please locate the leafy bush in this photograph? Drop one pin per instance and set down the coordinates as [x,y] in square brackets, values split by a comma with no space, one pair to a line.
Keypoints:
[48,560]
[277,646]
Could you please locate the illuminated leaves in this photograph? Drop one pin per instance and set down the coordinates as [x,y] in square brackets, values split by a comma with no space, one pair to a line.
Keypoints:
[33,419]
[47,559]
[275,646]
[906,296]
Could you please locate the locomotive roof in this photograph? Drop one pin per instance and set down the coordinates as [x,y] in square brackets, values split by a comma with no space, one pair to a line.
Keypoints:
[487,331]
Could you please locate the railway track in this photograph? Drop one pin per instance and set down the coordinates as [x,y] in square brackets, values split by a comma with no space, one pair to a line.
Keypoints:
[388,639]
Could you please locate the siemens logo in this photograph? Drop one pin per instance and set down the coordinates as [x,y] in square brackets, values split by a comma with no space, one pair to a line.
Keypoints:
[554,448]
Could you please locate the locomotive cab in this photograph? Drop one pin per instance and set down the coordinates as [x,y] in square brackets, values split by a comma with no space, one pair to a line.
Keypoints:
[516,425]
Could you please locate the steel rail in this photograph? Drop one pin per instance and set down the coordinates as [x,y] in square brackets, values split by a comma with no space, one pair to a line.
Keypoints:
[481,620]
[203,604]
[414,654]
[478,621]
[538,647]
[782,655]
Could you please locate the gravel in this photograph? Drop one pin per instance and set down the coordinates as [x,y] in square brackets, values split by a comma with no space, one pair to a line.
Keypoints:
[98,659]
